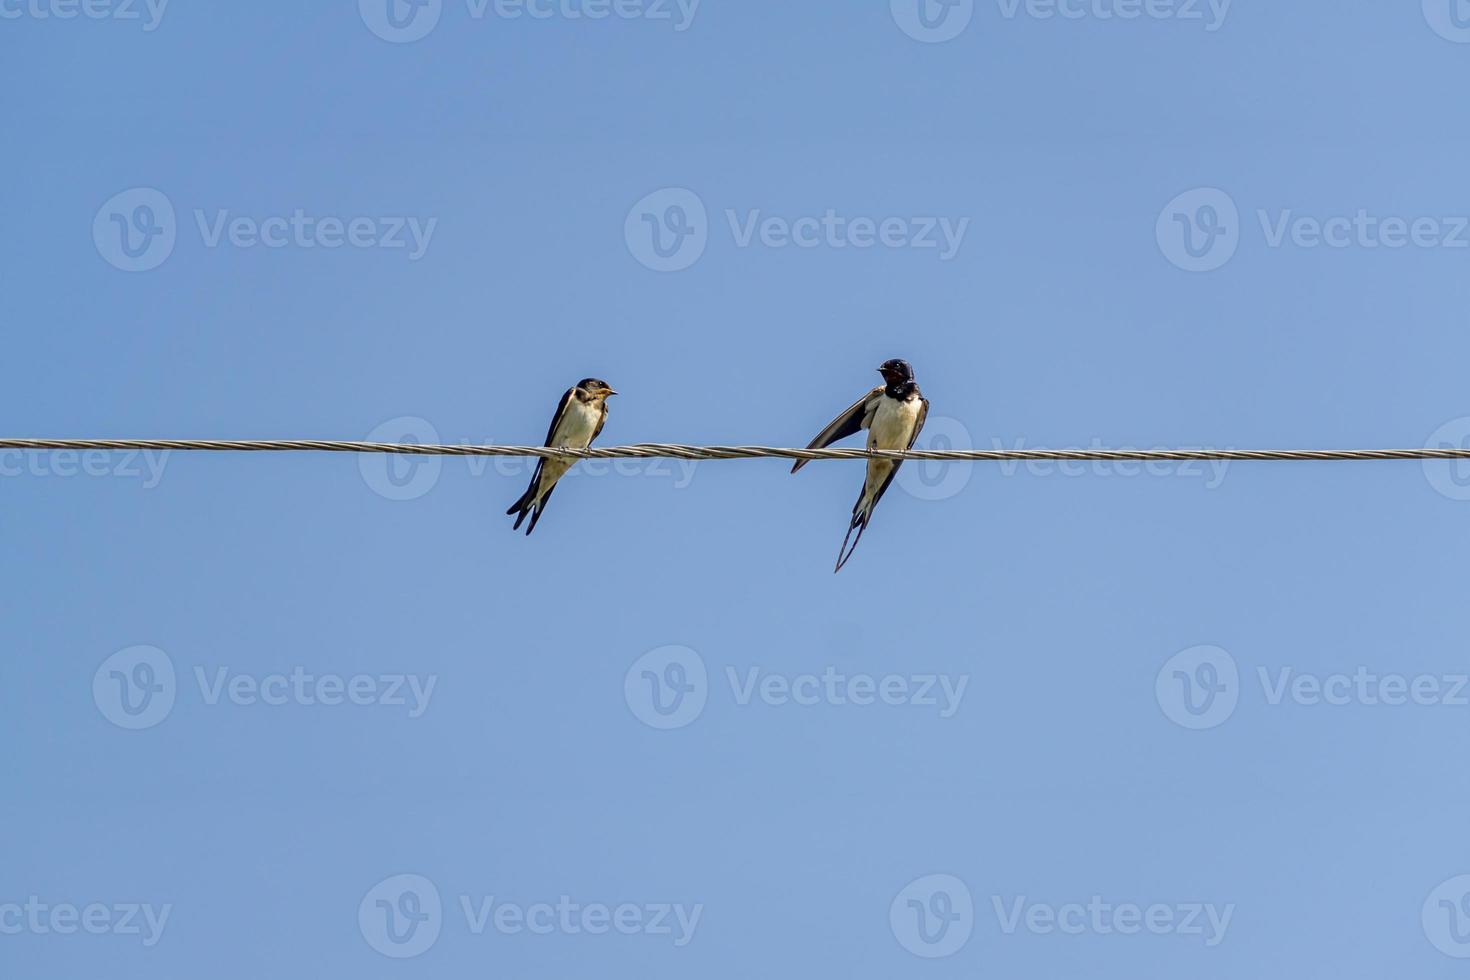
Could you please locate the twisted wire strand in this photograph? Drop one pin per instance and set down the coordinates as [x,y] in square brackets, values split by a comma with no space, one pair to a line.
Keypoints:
[656,450]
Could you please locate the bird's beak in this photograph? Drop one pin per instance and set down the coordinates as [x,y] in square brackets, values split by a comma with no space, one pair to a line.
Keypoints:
[611,392]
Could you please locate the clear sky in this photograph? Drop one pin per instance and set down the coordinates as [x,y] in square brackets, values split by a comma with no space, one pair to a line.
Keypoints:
[1045,723]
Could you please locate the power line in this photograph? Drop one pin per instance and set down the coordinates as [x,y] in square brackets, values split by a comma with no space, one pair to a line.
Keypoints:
[670,451]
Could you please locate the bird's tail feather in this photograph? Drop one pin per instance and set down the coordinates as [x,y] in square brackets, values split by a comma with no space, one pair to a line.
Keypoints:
[844,553]
[522,507]
[536,511]
[860,516]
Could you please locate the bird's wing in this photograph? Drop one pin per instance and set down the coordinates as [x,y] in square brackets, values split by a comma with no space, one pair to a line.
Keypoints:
[844,425]
[556,420]
[561,412]
[919,424]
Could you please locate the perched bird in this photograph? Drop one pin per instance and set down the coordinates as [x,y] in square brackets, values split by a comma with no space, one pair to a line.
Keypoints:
[893,413]
[579,419]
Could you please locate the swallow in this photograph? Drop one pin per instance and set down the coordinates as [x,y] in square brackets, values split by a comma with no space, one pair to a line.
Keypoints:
[894,414]
[579,419]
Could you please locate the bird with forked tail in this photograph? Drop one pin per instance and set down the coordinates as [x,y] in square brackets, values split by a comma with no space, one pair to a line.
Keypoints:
[578,420]
[894,414]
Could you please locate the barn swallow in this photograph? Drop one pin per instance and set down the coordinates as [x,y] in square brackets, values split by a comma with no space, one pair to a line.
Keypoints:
[579,419]
[893,413]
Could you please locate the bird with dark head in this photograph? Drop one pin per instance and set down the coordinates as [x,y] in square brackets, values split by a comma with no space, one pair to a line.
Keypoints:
[898,376]
[893,414]
[579,419]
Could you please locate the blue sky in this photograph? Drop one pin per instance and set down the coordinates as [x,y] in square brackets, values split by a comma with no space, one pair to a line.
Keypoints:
[313,715]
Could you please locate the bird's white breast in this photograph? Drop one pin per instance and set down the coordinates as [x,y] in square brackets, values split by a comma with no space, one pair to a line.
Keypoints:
[893,423]
[578,424]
